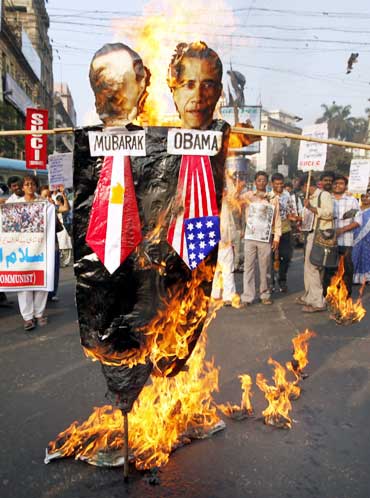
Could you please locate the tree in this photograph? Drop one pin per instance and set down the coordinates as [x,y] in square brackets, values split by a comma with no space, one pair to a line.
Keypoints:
[338,160]
[340,124]
[288,154]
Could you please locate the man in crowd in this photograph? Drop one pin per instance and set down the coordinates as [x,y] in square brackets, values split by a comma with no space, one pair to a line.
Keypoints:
[320,204]
[326,180]
[347,217]
[257,250]
[287,213]
[15,189]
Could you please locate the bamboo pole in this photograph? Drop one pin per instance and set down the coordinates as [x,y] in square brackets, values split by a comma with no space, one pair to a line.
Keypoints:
[293,136]
[234,129]
[308,184]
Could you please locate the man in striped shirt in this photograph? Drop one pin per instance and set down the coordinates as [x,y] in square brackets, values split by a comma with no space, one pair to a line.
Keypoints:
[347,217]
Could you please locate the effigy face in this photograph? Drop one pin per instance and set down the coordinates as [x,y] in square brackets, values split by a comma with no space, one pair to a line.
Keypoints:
[197,93]
[145,314]
[118,79]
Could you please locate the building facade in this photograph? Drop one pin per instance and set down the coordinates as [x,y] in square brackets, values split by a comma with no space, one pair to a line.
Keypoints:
[64,115]
[25,66]
[279,121]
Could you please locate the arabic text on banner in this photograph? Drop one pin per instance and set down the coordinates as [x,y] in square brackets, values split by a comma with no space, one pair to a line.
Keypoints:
[27,244]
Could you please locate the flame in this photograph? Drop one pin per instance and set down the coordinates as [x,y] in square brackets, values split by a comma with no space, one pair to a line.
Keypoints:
[155,36]
[168,335]
[343,309]
[170,412]
[245,409]
[300,351]
[278,396]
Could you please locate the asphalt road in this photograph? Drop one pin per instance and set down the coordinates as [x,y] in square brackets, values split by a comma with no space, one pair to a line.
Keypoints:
[46,383]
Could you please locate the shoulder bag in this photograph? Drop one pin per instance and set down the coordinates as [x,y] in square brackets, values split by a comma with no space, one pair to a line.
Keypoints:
[324,252]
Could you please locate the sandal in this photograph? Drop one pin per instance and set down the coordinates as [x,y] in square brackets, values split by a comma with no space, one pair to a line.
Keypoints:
[29,325]
[42,321]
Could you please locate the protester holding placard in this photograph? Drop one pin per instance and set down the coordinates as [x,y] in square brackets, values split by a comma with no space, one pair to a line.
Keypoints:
[347,217]
[262,219]
[32,304]
[320,204]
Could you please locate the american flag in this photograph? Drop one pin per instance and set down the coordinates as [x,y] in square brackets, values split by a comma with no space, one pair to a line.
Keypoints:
[198,223]
[202,235]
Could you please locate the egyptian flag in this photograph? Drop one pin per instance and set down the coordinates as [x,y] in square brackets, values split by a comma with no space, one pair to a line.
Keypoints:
[114,228]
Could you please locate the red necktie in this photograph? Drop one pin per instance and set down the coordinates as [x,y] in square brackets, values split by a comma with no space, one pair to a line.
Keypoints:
[196,230]
[114,228]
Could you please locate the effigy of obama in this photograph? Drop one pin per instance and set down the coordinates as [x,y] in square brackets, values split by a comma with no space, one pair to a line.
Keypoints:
[146,217]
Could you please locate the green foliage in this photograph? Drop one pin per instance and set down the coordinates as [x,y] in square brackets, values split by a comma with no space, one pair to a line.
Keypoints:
[288,154]
[343,126]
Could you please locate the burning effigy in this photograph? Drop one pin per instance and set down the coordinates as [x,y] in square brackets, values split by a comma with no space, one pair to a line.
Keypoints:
[342,307]
[146,225]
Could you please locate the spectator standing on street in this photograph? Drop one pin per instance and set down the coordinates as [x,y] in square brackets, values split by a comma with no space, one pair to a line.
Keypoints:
[313,298]
[361,244]
[256,251]
[347,217]
[32,304]
[287,214]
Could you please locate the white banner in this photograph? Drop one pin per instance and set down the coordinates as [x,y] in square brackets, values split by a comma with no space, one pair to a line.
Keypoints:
[359,174]
[120,143]
[60,170]
[27,246]
[193,142]
[312,155]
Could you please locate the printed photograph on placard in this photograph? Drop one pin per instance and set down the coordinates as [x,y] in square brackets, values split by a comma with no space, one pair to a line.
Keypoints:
[308,218]
[259,222]
[23,218]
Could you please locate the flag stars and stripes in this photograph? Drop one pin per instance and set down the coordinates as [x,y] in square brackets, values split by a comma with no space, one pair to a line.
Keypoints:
[201,235]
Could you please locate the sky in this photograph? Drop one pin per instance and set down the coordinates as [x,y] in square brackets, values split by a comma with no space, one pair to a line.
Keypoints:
[293,55]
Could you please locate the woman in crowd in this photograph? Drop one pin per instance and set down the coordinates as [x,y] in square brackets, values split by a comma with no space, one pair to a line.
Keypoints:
[361,247]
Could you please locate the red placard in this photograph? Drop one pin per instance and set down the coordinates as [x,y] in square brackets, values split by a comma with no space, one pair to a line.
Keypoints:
[36,144]
[22,278]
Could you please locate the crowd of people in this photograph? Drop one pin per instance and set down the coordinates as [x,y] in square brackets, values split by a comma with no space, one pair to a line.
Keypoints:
[272,216]
[32,304]
[279,214]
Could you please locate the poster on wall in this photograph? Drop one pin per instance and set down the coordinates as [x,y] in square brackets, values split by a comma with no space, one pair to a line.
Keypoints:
[27,244]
